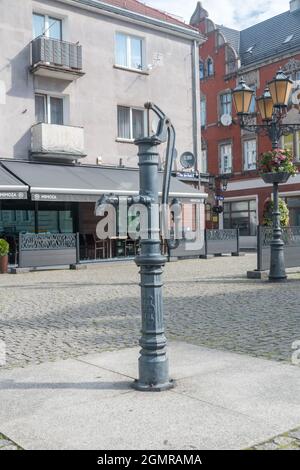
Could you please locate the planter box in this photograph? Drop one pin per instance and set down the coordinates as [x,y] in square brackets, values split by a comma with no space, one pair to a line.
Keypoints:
[3,264]
[278,177]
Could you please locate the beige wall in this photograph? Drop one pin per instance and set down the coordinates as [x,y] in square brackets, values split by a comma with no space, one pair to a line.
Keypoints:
[92,100]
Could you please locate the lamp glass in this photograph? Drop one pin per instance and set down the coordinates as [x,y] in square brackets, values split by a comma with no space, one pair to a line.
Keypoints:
[242,96]
[280,89]
[265,106]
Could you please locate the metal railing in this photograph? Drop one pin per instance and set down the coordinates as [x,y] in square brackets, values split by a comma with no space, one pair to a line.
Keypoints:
[47,249]
[57,53]
[291,238]
[216,242]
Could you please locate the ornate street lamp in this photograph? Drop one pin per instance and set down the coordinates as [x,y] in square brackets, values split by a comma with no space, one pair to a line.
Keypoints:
[265,105]
[280,89]
[272,107]
[242,96]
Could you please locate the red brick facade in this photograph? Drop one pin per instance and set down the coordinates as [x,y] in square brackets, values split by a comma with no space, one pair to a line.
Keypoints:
[220,74]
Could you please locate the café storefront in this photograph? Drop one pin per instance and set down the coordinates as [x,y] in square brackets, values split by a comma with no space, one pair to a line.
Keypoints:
[46,198]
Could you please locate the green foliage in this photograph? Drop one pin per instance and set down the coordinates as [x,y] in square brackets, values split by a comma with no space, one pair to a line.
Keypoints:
[277,161]
[4,247]
[284,214]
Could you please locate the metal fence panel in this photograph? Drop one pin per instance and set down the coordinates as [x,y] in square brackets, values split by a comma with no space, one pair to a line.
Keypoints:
[215,242]
[222,241]
[291,238]
[41,250]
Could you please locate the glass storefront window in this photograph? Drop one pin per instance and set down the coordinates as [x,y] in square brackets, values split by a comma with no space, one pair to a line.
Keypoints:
[241,215]
[294,208]
[15,221]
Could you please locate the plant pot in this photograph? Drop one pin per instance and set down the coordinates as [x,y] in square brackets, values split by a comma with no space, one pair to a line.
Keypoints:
[3,264]
[278,177]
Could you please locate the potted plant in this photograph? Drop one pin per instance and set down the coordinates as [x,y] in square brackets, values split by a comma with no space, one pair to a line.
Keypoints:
[276,166]
[284,213]
[4,250]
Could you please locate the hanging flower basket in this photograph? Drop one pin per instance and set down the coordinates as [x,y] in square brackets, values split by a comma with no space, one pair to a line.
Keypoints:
[277,166]
[271,178]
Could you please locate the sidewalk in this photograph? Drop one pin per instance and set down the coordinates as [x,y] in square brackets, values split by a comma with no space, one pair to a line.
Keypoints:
[222,400]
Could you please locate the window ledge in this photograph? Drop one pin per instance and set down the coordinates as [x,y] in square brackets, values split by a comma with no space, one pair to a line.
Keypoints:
[128,69]
[125,141]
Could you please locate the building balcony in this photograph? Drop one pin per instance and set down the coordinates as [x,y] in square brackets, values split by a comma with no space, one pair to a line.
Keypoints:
[56,59]
[53,142]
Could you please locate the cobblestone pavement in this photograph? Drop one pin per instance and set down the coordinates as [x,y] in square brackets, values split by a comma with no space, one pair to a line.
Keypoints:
[58,314]
[287,441]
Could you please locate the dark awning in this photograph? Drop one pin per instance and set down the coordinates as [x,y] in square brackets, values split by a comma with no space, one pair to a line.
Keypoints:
[11,187]
[85,183]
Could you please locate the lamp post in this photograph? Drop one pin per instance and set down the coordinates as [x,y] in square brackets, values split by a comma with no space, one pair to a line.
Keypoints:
[272,106]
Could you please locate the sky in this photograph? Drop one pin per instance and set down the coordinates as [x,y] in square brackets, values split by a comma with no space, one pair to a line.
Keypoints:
[232,13]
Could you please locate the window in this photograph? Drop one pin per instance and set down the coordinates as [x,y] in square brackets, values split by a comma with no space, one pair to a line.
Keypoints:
[48,26]
[225,158]
[241,215]
[129,51]
[250,154]
[231,60]
[203,111]
[292,143]
[288,39]
[204,160]
[210,67]
[226,104]
[250,49]
[49,109]
[131,123]
[202,72]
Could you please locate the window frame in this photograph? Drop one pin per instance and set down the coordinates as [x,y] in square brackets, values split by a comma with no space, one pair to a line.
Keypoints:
[295,143]
[131,109]
[232,212]
[47,107]
[221,95]
[203,110]
[129,37]
[48,23]
[245,155]
[210,63]
[221,162]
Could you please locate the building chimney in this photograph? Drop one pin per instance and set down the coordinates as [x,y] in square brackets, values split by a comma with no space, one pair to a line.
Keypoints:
[295,6]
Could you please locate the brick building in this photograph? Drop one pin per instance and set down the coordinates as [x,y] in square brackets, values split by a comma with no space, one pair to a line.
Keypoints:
[255,53]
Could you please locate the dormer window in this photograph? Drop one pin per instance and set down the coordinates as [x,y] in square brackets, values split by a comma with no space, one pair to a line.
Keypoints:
[250,49]
[288,39]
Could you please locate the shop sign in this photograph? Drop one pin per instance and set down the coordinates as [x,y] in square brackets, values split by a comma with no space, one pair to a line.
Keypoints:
[44,197]
[12,195]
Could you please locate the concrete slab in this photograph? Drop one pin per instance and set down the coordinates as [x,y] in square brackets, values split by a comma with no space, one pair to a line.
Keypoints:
[222,401]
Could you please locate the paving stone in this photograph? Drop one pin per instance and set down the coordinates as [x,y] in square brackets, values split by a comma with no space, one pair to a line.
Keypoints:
[46,316]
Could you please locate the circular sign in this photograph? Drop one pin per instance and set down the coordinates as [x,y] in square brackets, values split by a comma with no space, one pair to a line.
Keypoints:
[226,120]
[187,160]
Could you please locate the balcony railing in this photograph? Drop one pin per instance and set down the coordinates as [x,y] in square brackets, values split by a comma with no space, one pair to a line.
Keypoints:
[55,142]
[51,56]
